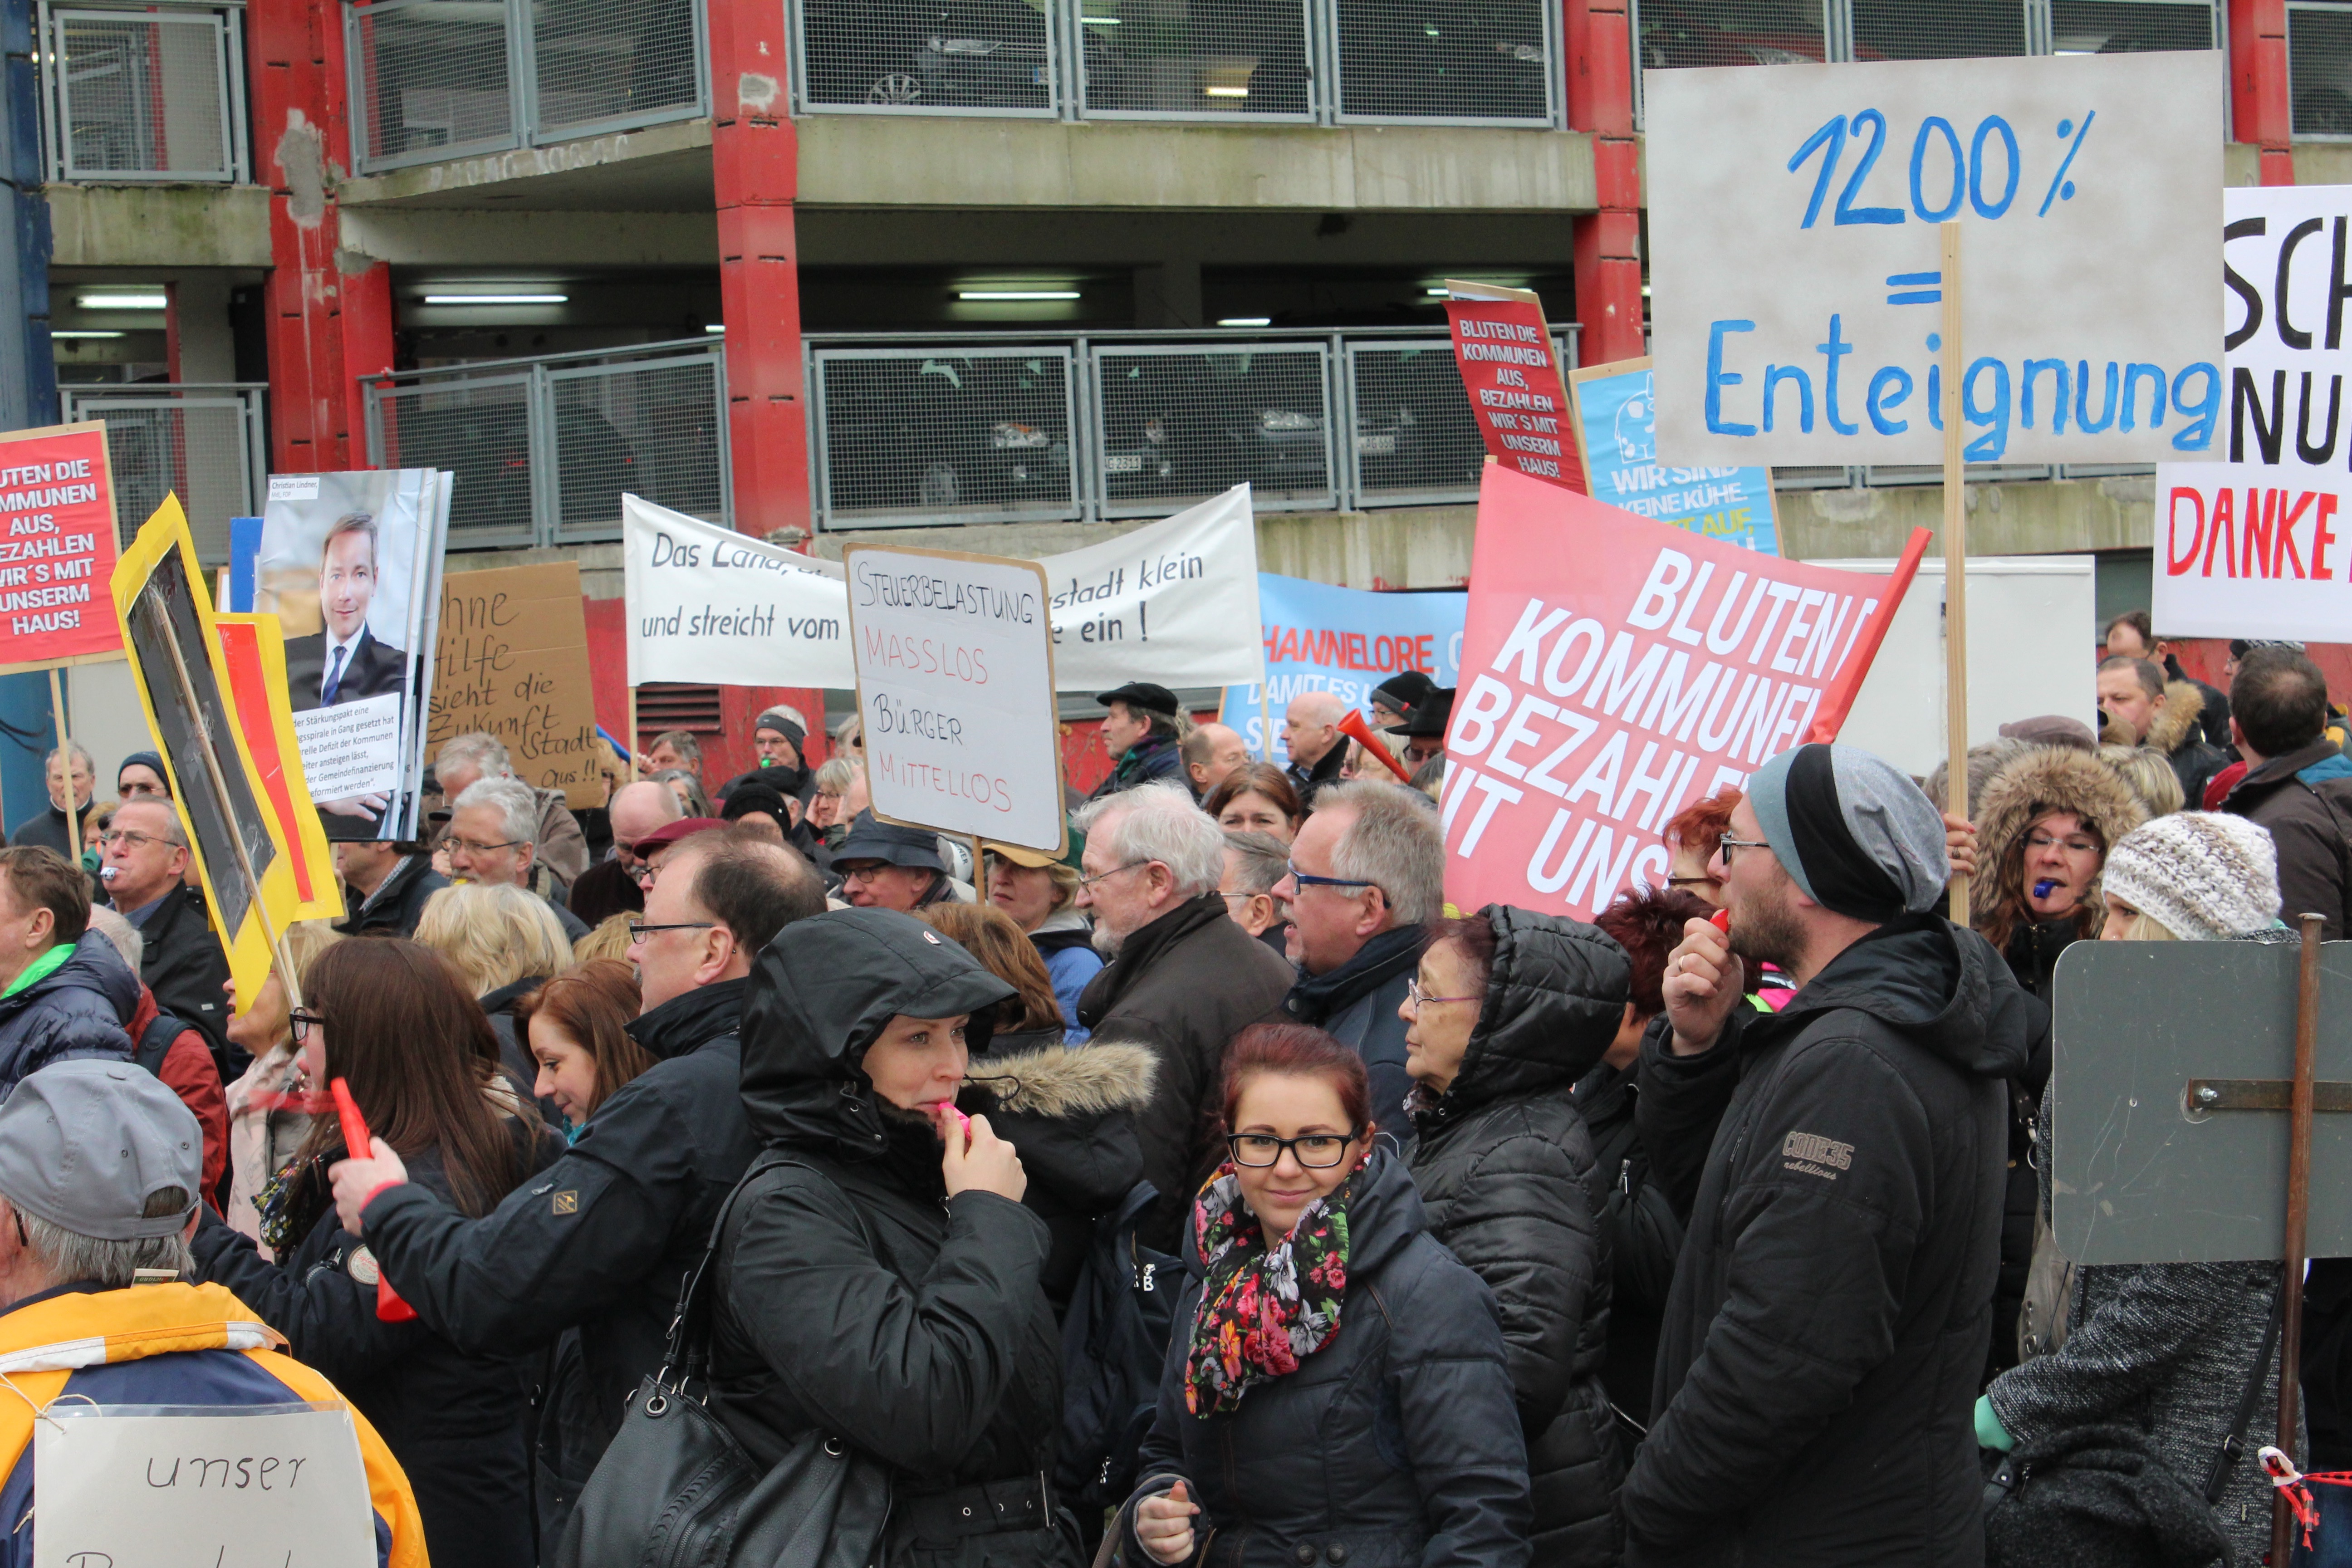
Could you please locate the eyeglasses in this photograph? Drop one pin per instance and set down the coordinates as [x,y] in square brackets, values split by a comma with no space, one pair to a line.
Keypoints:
[113,836]
[639,930]
[1727,844]
[1115,870]
[1304,881]
[454,844]
[1315,1151]
[301,1021]
[1420,998]
[2073,845]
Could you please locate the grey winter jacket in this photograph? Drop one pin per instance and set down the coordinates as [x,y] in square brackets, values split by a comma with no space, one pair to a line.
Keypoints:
[1505,1170]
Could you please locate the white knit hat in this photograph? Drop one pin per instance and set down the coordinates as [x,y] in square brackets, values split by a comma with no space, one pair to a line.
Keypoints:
[2202,875]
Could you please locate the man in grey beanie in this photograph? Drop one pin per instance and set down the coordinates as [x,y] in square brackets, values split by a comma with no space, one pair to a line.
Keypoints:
[1842,1164]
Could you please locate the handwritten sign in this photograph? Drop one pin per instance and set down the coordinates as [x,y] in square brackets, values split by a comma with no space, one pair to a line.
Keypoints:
[282,1486]
[2254,545]
[1796,259]
[512,662]
[1509,370]
[56,546]
[706,604]
[955,688]
[1616,425]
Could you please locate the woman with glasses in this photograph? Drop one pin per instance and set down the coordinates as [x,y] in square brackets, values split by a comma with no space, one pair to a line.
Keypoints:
[395,1021]
[1338,1389]
[1509,1010]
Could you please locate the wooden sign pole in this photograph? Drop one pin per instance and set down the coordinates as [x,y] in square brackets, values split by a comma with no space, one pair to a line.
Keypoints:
[1956,566]
[2298,1215]
[634,742]
[64,765]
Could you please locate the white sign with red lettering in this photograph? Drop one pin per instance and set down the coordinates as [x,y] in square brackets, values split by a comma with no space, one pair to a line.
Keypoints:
[955,687]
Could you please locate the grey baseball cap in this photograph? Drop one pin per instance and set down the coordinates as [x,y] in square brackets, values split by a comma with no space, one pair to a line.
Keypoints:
[88,1144]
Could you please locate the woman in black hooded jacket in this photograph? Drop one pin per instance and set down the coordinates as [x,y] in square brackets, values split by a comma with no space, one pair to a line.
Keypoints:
[883,1287]
[1509,1010]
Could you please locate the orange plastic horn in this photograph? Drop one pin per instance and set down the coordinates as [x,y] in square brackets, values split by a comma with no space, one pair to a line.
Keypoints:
[1355,728]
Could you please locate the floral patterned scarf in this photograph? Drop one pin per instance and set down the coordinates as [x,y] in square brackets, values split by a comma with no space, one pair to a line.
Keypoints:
[1264,1309]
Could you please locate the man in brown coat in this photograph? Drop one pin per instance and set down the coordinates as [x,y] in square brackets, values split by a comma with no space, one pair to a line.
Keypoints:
[1182,979]
[2298,782]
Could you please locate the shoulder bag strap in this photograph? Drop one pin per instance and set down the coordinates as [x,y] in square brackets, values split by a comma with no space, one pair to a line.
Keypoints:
[688,1350]
[2217,1479]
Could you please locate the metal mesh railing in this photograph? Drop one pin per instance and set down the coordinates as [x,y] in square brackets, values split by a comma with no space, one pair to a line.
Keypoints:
[2319,70]
[430,78]
[1170,60]
[1484,61]
[608,64]
[1223,414]
[479,430]
[144,95]
[1417,441]
[1937,29]
[953,434]
[959,56]
[203,444]
[2130,26]
[654,430]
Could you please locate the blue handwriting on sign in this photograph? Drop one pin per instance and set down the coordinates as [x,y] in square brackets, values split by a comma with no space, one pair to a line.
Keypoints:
[1942,178]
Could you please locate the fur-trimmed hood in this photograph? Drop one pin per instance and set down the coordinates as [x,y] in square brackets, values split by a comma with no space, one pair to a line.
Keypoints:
[2177,723]
[2034,784]
[1067,1080]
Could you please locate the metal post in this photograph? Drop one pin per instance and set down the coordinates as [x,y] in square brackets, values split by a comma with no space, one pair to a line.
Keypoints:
[28,372]
[2298,1215]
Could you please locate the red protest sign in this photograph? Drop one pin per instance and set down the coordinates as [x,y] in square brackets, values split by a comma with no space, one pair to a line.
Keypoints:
[1606,688]
[1512,376]
[56,548]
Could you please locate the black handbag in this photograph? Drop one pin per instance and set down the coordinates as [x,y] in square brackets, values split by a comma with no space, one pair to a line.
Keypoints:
[677,1491]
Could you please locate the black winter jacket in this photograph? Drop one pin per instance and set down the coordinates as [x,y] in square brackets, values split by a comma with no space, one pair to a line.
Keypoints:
[398,902]
[184,964]
[454,1421]
[76,1010]
[857,1297]
[1644,1237]
[1832,1307]
[1506,1171]
[2304,799]
[606,1235]
[1396,1444]
[1358,1004]
[1182,987]
[1156,756]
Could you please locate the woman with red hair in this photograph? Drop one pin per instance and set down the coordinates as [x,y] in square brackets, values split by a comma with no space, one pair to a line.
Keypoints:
[1337,1388]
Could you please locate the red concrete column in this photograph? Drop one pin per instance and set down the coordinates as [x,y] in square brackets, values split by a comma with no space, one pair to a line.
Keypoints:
[2261,99]
[328,326]
[755,161]
[1608,241]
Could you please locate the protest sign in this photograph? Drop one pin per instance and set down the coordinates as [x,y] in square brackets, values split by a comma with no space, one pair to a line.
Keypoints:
[351,564]
[1174,602]
[1511,372]
[1604,688]
[1345,641]
[707,604]
[253,653]
[176,663]
[57,502]
[2249,546]
[955,692]
[1796,264]
[1616,411]
[126,1486]
[513,661]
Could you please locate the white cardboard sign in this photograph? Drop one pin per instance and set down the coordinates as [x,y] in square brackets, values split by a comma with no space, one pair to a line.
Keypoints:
[277,1484]
[955,689]
[1796,258]
[2259,545]
[707,604]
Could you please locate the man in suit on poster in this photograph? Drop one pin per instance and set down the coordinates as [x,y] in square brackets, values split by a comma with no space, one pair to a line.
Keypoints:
[346,661]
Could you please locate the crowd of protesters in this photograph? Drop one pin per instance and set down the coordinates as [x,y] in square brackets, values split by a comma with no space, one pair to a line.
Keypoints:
[1216,1193]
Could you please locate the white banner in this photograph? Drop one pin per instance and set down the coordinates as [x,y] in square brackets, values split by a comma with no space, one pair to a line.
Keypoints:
[1174,602]
[707,604]
[2250,546]
[1797,264]
[284,1485]
[955,689]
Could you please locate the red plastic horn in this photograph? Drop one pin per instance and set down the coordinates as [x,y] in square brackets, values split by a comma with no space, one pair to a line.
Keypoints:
[389,1306]
[1355,728]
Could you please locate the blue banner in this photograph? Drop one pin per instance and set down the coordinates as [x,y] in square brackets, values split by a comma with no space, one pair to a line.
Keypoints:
[1618,415]
[1345,641]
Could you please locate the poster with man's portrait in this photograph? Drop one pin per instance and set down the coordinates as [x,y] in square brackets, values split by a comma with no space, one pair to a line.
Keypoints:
[351,564]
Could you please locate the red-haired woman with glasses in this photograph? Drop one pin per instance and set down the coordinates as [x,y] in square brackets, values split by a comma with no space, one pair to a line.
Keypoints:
[1336,1389]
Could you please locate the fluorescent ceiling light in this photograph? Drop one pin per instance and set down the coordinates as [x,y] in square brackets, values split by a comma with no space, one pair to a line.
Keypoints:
[1245,320]
[1438,293]
[1017,293]
[121,302]
[1226,91]
[496,299]
[72,335]
[1100,21]
[716,327]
